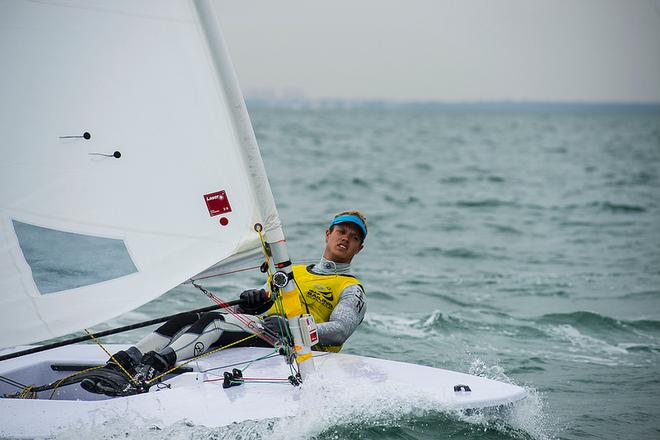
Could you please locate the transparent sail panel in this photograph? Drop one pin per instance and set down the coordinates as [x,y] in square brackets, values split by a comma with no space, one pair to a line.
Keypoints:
[63,260]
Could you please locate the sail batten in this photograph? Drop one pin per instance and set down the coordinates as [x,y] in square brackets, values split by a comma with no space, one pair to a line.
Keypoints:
[84,235]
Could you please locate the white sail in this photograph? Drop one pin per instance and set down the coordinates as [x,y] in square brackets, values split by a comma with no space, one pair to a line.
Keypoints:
[85,237]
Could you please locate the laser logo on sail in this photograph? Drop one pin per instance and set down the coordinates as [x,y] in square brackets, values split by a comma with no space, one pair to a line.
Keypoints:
[217,203]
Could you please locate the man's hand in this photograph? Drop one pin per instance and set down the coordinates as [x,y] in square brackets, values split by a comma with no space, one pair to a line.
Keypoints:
[255,301]
[254,297]
[276,325]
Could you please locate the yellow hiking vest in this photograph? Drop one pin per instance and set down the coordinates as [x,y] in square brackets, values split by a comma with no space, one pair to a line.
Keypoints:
[319,295]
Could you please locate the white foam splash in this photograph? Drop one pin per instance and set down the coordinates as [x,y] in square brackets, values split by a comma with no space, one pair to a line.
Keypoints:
[494,372]
[396,325]
[527,416]
[580,341]
[323,404]
[587,349]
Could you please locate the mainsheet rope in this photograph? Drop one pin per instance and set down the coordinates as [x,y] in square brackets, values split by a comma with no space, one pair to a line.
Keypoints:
[241,380]
[247,322]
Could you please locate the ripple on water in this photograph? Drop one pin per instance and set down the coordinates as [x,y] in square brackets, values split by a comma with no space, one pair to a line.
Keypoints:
[596,322]
[619,207]
[504,229]
[460,253]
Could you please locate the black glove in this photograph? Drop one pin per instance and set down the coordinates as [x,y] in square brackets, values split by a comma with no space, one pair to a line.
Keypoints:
[276,325]
[255,301]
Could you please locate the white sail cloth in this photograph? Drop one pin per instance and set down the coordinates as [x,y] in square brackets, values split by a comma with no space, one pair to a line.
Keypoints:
[85,237]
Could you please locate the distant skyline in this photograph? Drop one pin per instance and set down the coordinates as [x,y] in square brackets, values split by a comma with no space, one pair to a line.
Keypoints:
[450,51]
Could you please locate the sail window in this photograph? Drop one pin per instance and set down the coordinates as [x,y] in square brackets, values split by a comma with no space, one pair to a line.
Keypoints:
[64,260]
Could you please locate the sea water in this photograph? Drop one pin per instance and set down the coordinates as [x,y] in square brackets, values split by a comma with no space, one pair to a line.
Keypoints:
[522,246]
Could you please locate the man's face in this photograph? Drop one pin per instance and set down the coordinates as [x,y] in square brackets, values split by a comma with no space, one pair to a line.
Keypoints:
[343,242]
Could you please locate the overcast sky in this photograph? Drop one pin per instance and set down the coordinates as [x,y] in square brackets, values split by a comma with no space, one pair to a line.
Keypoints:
[462,50]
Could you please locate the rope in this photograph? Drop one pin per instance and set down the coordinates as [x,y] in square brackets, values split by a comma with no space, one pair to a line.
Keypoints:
[264,378]
[227,273]
[12,382]
[112,357]
[274,380]
[250,362]
[250,324]
[199,357]
[28,393]
[264,248]
[285,332]
[247,322]
[59,382]
[279,307]
[274,354]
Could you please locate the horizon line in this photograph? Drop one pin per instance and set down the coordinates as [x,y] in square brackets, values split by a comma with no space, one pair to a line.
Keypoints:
[384,102]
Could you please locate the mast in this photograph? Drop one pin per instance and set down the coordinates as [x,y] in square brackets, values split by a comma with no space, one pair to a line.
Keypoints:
[283,279]
[272,226]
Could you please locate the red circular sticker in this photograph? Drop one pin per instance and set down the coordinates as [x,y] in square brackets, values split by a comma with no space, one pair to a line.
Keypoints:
[224,221]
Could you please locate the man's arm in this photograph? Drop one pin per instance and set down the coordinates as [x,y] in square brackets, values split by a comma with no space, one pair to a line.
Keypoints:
[345,318]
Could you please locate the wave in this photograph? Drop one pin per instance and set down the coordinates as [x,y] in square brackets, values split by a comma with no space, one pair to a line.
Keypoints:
[394,324]
[504,229]
[648,294]
[585,337]
[485,203]
[374,414]
[641,178]
[441,323]
[462,253]
[492,203]
[417,327]
[605,206]
[423,166]
[360,182]
[583,347]
[588,337]
[619,207]
[597,322]
[381,295]
[640,348]
[451,299]
[460,180]
[444,321]
[336,182]
[597,224]
[433,425]
[403,201]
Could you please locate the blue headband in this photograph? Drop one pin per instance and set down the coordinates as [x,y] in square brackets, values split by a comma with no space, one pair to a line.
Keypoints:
[352,219]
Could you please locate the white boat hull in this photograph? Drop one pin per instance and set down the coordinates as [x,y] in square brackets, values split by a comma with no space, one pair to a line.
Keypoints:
[198,396]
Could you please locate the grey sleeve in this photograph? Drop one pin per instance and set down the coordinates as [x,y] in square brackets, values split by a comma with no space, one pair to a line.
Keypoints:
[346,316]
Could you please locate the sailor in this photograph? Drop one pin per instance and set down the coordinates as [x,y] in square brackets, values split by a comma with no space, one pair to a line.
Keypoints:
[328,291]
